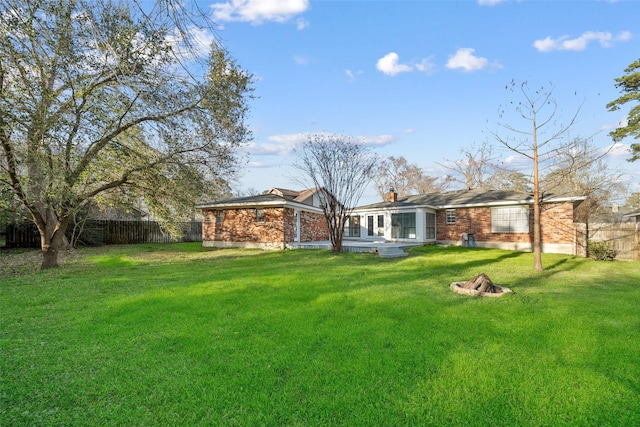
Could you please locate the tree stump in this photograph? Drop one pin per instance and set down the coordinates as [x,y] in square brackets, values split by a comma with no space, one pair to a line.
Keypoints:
[480,283]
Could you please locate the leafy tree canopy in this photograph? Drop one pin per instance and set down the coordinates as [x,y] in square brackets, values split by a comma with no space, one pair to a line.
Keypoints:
[629,84]
[100,99]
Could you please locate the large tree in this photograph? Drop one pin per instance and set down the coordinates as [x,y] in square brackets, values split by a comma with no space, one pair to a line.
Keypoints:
[535,139]
[107,99]
[629,84]
[405,178]
[341,167]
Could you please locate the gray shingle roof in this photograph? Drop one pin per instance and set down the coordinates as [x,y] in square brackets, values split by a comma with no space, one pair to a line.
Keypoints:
[463,198]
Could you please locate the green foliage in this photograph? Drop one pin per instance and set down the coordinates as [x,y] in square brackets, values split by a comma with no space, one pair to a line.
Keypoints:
[629,85]
[99,101]
[633,201]
[601,250]
[181,335]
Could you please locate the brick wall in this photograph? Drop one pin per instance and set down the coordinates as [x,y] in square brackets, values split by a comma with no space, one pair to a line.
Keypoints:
[240,225]
[556,223]
[314,227]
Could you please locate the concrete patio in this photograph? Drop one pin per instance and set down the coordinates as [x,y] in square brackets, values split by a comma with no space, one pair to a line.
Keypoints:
[382,248]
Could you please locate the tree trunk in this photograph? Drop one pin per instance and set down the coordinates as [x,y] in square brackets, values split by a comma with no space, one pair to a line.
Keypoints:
[52,240]
[537,237]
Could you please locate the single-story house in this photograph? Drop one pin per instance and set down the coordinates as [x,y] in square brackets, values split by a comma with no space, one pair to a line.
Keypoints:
[493,219]
[266,221]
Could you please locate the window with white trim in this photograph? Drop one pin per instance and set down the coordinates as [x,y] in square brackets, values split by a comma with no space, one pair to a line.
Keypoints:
[403,225]
[380,225]
[219,216]
[259,215]
[451,216]
[430,226]
[510,219]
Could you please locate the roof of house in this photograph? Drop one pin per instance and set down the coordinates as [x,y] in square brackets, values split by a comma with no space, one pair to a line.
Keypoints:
[276,197]
[632,214]
[467,198]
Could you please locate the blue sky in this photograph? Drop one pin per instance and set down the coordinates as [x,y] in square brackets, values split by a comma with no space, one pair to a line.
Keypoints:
[422,79]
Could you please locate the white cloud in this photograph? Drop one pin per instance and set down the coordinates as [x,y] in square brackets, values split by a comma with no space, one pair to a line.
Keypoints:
[490,2]
[377,140]
[353,75]
[301,60]
[605,39]
[390,65]
[618,150]
[465,59]
[301,24]
[258,11]
[285,144]
[425,66]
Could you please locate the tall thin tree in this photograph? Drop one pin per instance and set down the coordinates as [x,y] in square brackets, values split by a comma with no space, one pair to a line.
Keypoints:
[538,110]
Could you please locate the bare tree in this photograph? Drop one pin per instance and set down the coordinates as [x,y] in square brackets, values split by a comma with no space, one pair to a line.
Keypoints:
[479,168]
[405,178]
[579,168]
[341,167]
[97,99]
[534,141]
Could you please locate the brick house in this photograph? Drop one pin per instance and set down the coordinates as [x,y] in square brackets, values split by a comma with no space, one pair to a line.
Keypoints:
[266,221]
[494,219]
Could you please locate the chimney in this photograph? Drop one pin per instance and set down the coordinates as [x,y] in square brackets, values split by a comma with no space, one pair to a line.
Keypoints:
[391,196]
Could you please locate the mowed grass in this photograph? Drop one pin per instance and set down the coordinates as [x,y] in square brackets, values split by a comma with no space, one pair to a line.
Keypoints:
[181,335]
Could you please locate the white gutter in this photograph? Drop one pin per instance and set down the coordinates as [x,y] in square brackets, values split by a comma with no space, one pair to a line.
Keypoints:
[271,204]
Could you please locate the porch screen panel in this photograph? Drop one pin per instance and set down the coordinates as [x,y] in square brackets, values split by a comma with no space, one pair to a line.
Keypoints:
[370,225]
[353,226]
[430,231]
[403,225]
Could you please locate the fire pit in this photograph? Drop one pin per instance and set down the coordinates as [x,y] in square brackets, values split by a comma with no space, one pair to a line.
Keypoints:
[481,286]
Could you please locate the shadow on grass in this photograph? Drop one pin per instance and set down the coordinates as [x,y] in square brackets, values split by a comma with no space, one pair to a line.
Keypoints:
[311,337]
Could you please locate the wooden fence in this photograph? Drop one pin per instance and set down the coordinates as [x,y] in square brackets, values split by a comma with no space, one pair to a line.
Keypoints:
[624,238]
[104,232]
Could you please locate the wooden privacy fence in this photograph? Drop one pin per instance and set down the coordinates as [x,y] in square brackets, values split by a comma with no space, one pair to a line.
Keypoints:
[624,238]
[104,232]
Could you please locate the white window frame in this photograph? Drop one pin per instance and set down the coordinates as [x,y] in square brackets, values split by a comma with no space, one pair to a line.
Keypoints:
[510,219]
[450,216]
[430,226]
[401,227]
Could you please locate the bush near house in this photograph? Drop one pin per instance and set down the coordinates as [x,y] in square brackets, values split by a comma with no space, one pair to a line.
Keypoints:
[601,250]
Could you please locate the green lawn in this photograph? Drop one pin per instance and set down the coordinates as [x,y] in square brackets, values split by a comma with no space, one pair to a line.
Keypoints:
[179,335]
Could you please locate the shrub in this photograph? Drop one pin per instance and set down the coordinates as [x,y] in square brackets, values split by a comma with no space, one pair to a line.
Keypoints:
[601,250]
